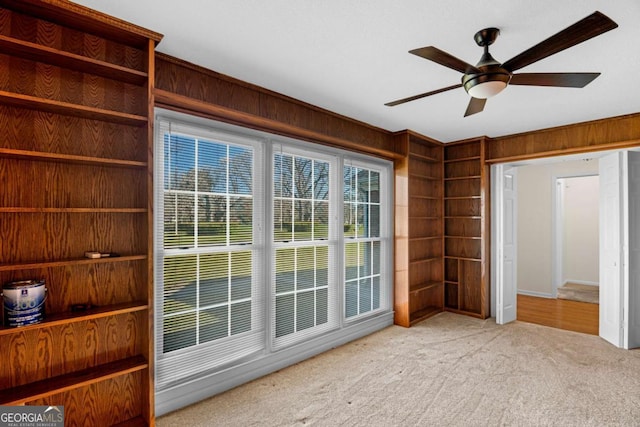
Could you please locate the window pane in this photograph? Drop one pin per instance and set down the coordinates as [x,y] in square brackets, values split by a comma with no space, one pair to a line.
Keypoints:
[322,306]
[240,170]
[240,220]
[349,184]
[365,295]
[374,221]
[351,299]
[322,266]
[241,270]
[210,231]
[374,187]
[285,264]
[321,220]
[212,167]
[214,279]
[283,175]
[240,317]
[321,180]
[284,315]
[349,220]
[178,220]
[363,185]
[376,258]
[376,292]
[305,310]
[214,323]
[179,332]
[305,268]
[179,162]
[351,261]
[302,220]
[179,291]
[362,220]
[282,224]
[303,179]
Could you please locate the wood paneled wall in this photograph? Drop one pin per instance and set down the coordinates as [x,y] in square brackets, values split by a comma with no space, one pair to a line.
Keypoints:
[605,134]
[184,86]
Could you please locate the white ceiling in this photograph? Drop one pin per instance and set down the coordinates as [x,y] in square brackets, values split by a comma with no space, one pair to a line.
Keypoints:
[350,56]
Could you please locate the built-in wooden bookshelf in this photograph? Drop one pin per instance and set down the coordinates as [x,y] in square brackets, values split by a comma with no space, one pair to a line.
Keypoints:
[465,253]
[419,229]
[76,109]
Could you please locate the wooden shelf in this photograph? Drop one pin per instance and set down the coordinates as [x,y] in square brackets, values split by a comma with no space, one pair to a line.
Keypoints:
[66,108]
[423,286]
[426,312]
[463,198]
[462,259]
[425,238]
[425,177]
[462,217]
[71,210]
[425,260]
[450,282]
[424,217]
[50,386]
[459,178]
[462,159]
[423,197]
[423,157]
[133,422]
[463,237]
[56,319]
[39,53]
[62,263]
[69,158]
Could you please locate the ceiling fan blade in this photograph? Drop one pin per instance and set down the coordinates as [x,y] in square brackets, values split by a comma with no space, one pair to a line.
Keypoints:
[422,95]
[589,27]
[443,58]
[476,105]
[553,79]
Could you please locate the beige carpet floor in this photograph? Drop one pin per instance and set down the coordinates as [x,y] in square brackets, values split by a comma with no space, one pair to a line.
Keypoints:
[577,292]
[450,370]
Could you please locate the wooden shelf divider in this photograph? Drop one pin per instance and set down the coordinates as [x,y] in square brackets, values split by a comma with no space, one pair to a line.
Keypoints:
[45,54]
[71,210]
[66,108]
[68,158]
[79,316]
[65,262]
[50,386]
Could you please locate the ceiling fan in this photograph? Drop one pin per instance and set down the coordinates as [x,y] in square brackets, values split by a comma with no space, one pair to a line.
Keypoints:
[489,77]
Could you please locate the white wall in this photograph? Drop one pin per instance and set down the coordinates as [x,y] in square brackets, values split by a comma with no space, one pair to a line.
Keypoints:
[580,249]
[535,184]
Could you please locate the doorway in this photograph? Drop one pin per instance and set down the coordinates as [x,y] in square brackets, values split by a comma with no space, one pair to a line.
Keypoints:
[619,199]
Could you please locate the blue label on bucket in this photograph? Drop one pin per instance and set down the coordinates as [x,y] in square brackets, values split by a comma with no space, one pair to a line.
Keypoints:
[23,302]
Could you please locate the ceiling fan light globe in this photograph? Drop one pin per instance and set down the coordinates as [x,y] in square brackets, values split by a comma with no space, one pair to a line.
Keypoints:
[487,89]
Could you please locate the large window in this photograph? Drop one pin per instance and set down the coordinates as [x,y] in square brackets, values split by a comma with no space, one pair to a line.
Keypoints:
[262,243]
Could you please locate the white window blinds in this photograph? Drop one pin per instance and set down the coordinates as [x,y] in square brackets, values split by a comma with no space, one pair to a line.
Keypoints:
[262,244]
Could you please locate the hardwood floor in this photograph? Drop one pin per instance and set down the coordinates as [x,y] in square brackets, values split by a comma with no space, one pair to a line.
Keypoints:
[558,313]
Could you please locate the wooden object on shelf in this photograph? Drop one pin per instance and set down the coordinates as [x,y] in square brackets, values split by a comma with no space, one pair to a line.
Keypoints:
[76,109]
[466,189]
[418,229]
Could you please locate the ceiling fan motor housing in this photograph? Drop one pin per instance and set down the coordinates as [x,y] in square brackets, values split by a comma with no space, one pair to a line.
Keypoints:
[492,78]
